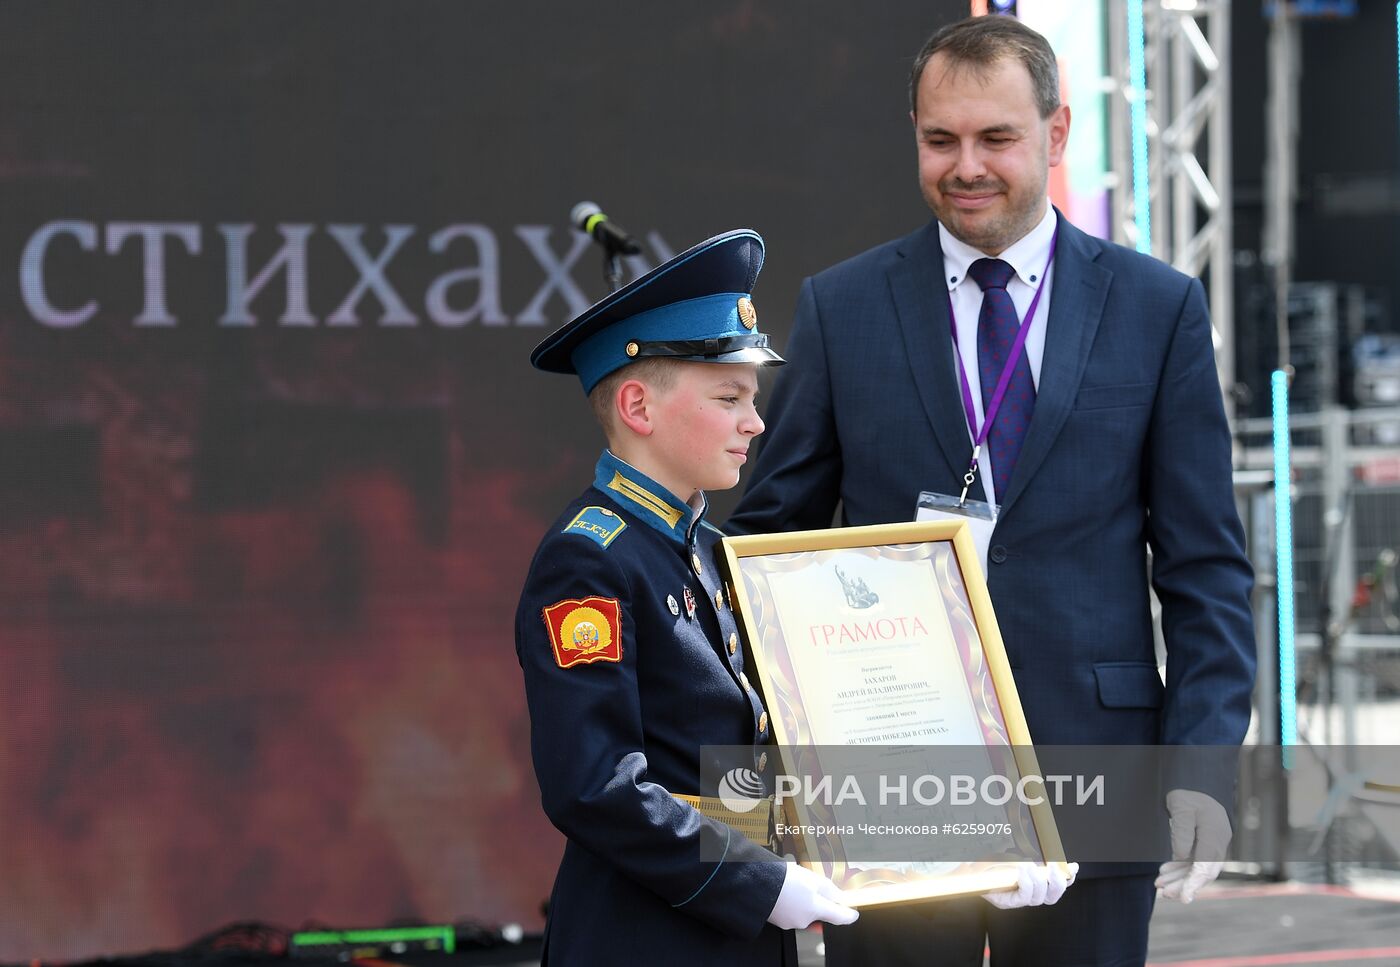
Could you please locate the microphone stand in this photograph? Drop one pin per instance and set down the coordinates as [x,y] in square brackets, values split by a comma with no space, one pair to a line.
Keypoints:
[612,270]
[613,240]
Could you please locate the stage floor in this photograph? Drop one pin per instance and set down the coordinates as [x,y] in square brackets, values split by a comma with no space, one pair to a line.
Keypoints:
[1246,924]
[1286,923]
[1260,925]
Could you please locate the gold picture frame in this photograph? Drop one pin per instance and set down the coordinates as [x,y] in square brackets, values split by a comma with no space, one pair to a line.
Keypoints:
[794,617]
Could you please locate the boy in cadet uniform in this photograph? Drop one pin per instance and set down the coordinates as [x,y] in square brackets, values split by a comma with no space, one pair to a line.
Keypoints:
[630,645]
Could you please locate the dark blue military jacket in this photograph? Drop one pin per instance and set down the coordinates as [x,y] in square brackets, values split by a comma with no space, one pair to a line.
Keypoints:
[632,663]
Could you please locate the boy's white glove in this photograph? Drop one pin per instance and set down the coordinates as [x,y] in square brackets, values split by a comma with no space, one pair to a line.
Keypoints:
[1200,834]
[807,897]
[1039,885]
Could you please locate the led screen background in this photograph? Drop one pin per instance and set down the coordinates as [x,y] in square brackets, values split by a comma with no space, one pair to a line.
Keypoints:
[273,460]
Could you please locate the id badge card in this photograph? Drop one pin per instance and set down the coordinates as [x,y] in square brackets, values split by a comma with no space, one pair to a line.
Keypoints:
[981,518]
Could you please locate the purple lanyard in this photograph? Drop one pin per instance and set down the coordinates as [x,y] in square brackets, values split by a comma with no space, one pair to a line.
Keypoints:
[980,435]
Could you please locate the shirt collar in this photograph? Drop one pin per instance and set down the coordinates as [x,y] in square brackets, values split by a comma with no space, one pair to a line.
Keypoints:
[651,502]
[1027,256]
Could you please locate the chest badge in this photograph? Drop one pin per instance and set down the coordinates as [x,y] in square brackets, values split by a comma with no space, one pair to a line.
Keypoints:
[689,602]
[671,603]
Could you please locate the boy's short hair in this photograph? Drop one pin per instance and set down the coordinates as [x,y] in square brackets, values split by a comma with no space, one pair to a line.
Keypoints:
[658,372]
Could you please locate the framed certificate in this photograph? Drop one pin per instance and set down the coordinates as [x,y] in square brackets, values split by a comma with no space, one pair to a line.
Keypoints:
[898,727]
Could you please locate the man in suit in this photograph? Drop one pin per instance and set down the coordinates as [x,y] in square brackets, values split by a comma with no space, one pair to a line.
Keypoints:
[1108,438]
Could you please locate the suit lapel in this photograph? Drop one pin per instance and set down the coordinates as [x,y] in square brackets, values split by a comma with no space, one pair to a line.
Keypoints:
[921,302]
[1078,291]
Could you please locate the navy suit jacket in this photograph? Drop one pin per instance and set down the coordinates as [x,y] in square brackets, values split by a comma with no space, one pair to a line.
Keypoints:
[1128,448]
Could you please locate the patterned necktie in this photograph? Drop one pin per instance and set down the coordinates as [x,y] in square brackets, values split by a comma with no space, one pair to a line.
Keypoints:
[997,327]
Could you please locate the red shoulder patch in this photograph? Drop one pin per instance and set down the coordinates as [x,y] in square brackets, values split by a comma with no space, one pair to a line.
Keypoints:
[585,630]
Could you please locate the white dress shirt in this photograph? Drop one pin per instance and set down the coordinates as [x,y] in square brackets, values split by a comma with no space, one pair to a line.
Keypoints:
[1029,256]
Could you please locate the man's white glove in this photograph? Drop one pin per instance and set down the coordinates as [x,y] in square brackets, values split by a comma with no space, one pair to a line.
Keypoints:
[1200,834]
[1037,885]
[807,897]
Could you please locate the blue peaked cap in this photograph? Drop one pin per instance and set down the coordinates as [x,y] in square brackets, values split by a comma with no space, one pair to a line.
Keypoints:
[695,306]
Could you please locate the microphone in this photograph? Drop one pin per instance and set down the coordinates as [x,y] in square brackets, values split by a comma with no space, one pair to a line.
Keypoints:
[588,218]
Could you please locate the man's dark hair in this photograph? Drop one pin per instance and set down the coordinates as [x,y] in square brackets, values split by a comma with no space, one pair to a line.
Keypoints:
[981,42]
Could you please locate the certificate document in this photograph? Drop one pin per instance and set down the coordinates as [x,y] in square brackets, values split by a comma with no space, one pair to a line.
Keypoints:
[883,671]
[881,665]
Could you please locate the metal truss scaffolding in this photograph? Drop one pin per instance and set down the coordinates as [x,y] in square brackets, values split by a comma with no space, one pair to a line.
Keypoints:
[1171,111]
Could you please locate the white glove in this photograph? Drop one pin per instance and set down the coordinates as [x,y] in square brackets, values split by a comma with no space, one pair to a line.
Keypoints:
[1200,834]
[1038,885]
[807,897]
